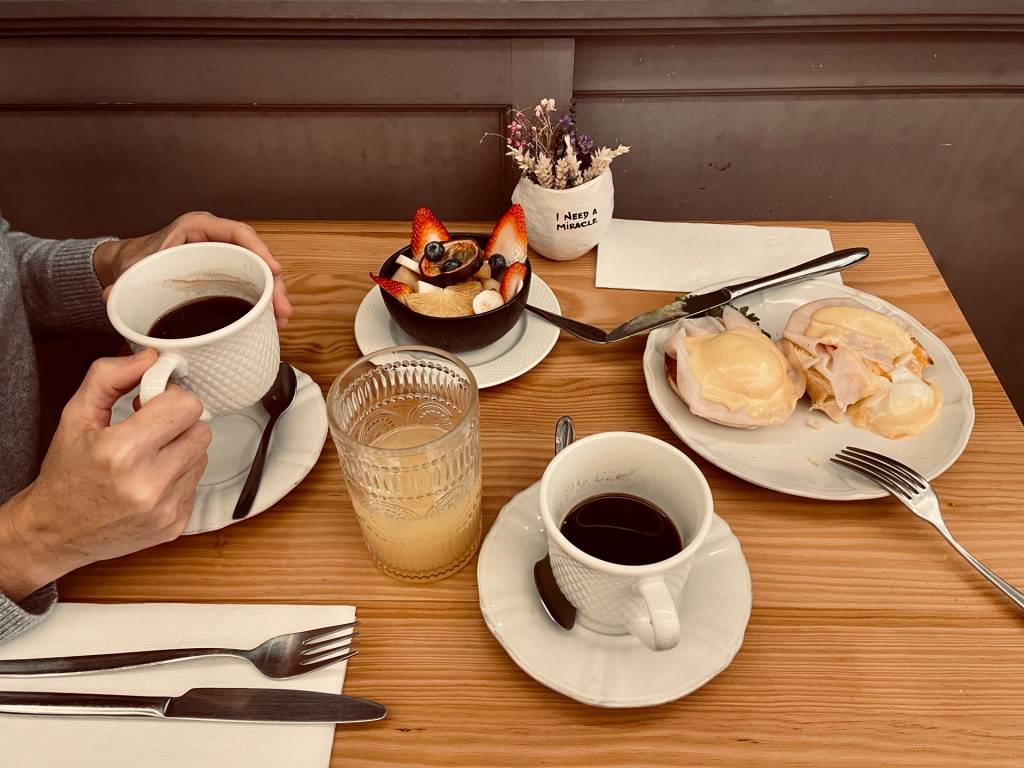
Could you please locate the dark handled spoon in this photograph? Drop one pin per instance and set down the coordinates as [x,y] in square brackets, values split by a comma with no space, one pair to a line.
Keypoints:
[557,605]
[275,402]
[583,331]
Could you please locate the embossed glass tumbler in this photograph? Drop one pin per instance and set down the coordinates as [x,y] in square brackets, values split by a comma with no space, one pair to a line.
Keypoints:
[406,423]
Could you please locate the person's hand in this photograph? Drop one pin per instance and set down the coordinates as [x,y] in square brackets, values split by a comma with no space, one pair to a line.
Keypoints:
[112,258]
[105,491]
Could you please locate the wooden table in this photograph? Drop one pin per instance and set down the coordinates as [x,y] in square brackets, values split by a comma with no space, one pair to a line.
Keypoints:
[871,642]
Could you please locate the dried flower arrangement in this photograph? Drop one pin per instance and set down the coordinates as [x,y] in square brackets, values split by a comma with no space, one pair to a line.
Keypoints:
[553,153]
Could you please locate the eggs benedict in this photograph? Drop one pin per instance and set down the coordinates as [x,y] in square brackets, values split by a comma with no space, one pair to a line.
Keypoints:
[727,371]
[864,363]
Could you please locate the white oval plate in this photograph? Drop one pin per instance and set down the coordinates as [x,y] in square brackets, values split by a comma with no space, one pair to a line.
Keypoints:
[515,353]
[295,447]
[611,670]
[794,458]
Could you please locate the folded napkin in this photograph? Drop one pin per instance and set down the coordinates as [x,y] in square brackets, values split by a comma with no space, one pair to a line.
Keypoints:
[669,256]
[80,628]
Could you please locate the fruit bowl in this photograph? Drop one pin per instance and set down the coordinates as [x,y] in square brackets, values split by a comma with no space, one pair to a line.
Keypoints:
[455,334]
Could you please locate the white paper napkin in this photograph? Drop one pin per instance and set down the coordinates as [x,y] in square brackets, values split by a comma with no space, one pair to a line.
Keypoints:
[670,256]
[80,628]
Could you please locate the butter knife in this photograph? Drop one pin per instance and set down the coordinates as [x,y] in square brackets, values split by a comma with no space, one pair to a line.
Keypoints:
[698,303]
[264,705]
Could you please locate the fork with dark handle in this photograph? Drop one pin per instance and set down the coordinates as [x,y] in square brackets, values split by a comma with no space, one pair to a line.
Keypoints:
[917,495]
[279,658]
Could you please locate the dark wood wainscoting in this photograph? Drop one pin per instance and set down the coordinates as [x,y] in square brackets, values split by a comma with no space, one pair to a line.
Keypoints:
[120,133]
[118,114]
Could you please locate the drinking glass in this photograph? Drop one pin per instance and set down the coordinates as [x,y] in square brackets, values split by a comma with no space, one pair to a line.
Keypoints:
[406,423]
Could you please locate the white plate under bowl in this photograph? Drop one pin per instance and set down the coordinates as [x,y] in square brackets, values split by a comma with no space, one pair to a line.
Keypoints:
[794,457]
[605,670]
[295,446]
[515,353]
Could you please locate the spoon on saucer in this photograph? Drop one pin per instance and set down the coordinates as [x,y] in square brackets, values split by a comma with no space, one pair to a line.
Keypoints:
[558,607]
[275,402]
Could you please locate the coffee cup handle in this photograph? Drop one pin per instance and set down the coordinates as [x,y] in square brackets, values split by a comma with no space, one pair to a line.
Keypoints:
[659,630]
[154,381]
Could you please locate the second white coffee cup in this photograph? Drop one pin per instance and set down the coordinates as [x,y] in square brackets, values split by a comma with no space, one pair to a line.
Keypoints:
[228,369]
[609,597]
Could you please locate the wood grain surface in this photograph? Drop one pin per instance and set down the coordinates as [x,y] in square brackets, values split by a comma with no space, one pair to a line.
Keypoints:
[871,643]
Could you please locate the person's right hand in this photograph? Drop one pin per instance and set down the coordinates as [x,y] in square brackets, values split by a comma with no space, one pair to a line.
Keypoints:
[105,491]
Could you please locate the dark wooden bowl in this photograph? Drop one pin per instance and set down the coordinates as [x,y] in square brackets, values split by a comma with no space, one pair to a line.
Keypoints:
[456,334]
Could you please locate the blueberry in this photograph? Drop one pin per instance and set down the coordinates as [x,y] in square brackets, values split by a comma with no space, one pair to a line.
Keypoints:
[434,250]
[497,262]
[451,265]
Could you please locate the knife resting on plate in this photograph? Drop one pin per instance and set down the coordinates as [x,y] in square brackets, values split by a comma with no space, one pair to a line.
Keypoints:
[698,303]
[262,705]
[695,304]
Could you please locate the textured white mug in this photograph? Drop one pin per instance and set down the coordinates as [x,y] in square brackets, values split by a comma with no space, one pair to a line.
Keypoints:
[609,597]
[228,369]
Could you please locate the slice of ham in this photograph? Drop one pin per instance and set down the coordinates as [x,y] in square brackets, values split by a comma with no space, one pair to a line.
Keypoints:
[839,376]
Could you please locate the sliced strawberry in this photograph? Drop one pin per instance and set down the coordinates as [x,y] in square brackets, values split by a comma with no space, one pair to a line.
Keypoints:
[509,236]
[395,288]
[426,229]
[512,281]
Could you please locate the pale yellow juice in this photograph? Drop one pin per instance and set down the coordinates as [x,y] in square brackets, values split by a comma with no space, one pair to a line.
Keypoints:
[422,520]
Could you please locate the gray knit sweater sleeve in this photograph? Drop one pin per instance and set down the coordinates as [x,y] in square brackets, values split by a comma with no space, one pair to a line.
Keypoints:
[59,287]
[15,618]
[46,286]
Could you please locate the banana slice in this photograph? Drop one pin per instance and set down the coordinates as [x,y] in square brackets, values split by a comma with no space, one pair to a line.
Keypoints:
[485,301]
[406,276]
[408,263]
[424,287]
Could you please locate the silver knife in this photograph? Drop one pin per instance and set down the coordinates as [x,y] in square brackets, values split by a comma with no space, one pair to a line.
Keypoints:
[265,705]
[697,303]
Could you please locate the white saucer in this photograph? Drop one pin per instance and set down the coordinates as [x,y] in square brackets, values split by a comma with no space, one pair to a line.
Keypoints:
[794,457]
[605,670]
[515,353]
[295,446]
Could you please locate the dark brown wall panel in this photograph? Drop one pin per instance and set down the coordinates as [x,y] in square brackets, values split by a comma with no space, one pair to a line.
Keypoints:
[132,171]
[121,133]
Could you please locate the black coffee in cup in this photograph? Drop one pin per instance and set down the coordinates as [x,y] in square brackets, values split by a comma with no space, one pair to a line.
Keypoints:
[621,528]
[200,316]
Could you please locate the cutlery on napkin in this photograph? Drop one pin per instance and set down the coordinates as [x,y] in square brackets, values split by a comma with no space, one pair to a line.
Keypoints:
[82,628]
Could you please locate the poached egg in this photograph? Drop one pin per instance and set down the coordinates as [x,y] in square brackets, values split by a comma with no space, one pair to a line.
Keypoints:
[728,372]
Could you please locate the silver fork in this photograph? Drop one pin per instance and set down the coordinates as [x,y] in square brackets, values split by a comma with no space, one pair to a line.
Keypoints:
[917,495]
[279,658]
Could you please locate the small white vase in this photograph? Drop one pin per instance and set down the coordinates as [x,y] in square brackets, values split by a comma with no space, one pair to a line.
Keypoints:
[563,224]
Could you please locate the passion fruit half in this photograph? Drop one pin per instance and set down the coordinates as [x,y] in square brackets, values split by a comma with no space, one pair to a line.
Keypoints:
[461,260]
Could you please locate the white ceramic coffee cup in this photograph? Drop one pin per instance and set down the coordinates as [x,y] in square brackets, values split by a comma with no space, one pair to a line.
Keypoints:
[612,598]
[228,369]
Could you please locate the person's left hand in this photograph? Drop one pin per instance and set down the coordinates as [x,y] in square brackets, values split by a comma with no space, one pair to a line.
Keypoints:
[111,259]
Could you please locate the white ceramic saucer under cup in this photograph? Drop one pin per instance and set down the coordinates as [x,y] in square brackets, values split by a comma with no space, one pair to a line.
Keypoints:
[295,446]
[794,457]
[515,353]
[606,670]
